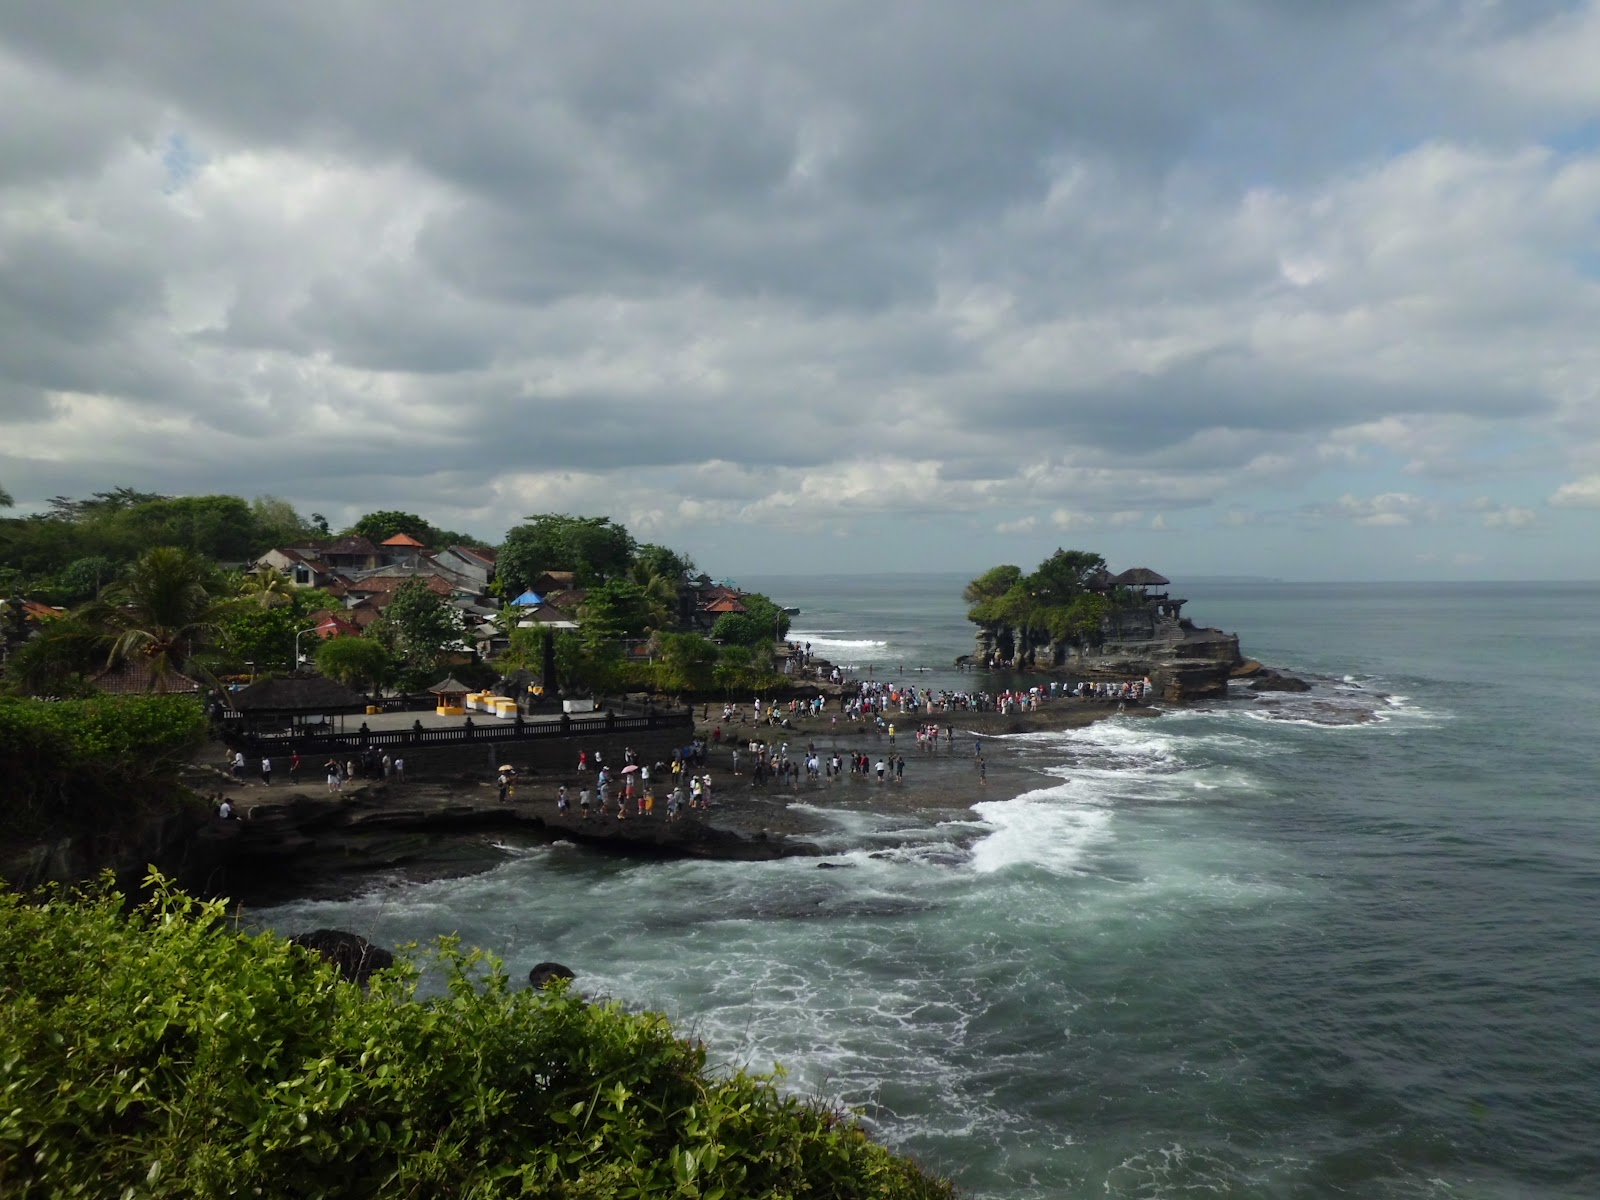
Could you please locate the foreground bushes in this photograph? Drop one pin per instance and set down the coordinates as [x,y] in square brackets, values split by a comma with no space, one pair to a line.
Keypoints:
[158,1053]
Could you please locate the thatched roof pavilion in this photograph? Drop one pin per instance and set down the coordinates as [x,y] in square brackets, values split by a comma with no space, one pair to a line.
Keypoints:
[1140,577]
[296,699]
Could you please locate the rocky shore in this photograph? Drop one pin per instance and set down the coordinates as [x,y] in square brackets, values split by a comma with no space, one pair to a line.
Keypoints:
[297,840]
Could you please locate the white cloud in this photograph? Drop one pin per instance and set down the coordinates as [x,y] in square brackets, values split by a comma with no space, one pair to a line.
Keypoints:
[1022,525]
[1386,510]
[1580,493]
[1066,519]
[1510,517]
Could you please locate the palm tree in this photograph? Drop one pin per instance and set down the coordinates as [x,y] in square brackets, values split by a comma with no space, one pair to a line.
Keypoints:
[163,612]
[661,595]
[5,498]
[269,586]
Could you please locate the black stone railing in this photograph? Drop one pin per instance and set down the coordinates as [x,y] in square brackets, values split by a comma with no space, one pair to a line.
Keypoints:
[565,726]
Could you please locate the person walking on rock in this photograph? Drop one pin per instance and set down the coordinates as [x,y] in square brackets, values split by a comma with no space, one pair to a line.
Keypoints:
[266,771]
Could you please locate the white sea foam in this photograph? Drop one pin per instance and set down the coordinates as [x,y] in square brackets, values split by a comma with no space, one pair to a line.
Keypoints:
[823,642]
[1053,828]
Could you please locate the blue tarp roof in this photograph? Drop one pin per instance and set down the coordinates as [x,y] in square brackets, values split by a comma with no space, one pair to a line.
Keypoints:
[529,598]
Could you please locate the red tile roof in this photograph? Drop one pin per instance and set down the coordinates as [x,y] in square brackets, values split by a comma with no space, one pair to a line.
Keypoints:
[402,539]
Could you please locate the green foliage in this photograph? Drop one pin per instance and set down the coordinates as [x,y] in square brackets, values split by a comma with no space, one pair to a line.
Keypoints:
[123,523]
[247,633]
[275,522]
[653,559]
[616,609]
[687,663]
[379,527]
[98,765]
[1054,599]
[419,624]
[357,662]
[82,579]
[267,587]
[592,547]
[56,661]
[158,1053]
[168,607]
[761,624]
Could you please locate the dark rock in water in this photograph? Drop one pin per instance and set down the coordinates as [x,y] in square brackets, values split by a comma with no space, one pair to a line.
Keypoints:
[355,957]
[1268,680]
[548,972]
[832,866]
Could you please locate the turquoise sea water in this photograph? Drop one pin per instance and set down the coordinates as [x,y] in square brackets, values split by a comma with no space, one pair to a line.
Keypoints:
[1340,944]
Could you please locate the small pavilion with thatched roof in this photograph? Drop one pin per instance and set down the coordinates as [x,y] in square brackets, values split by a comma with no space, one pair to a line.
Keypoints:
[297,702]
[1142,579]
[451,696]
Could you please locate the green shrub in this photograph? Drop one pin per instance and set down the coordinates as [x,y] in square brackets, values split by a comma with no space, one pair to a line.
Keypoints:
[99,765]
[158,1053]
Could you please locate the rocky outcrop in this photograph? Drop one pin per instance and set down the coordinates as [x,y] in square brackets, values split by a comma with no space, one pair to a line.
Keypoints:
[548,972]
[1269,680]
[354,956]
[1183,661]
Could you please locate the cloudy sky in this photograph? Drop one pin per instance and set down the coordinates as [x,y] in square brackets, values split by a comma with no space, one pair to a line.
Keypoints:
[1289,288]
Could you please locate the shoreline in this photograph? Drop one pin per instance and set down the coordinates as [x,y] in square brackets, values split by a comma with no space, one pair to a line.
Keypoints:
[294,841]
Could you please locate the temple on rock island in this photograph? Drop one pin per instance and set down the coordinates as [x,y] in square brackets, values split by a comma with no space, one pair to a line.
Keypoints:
[1109,627]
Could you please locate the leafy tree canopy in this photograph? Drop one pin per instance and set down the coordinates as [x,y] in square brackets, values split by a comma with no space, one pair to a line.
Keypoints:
[652,559]
[357,662]
[418,624]
[1055,598]
[379,527]
[591,547]
[616,609]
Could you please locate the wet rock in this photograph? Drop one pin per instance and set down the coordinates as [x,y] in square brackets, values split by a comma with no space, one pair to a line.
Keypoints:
[1269,680]
[354,956]
[548,972]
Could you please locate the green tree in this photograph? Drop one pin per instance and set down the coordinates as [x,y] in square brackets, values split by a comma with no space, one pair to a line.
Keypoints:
[275,522]
[688,662]
[419,624]
[267,587]
[591,547]
[5,498]
[167,609]
[219,527]
[379,527]
[1064,576]
[357,662]
[661,590]
[58,660]
[654,559]
[83,578]
[248,633]
[618,609]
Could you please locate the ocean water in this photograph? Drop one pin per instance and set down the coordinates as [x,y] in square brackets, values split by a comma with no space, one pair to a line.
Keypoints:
[1341,944]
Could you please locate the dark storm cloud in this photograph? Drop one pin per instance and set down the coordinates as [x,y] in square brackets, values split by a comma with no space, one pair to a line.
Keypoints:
[875,257]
